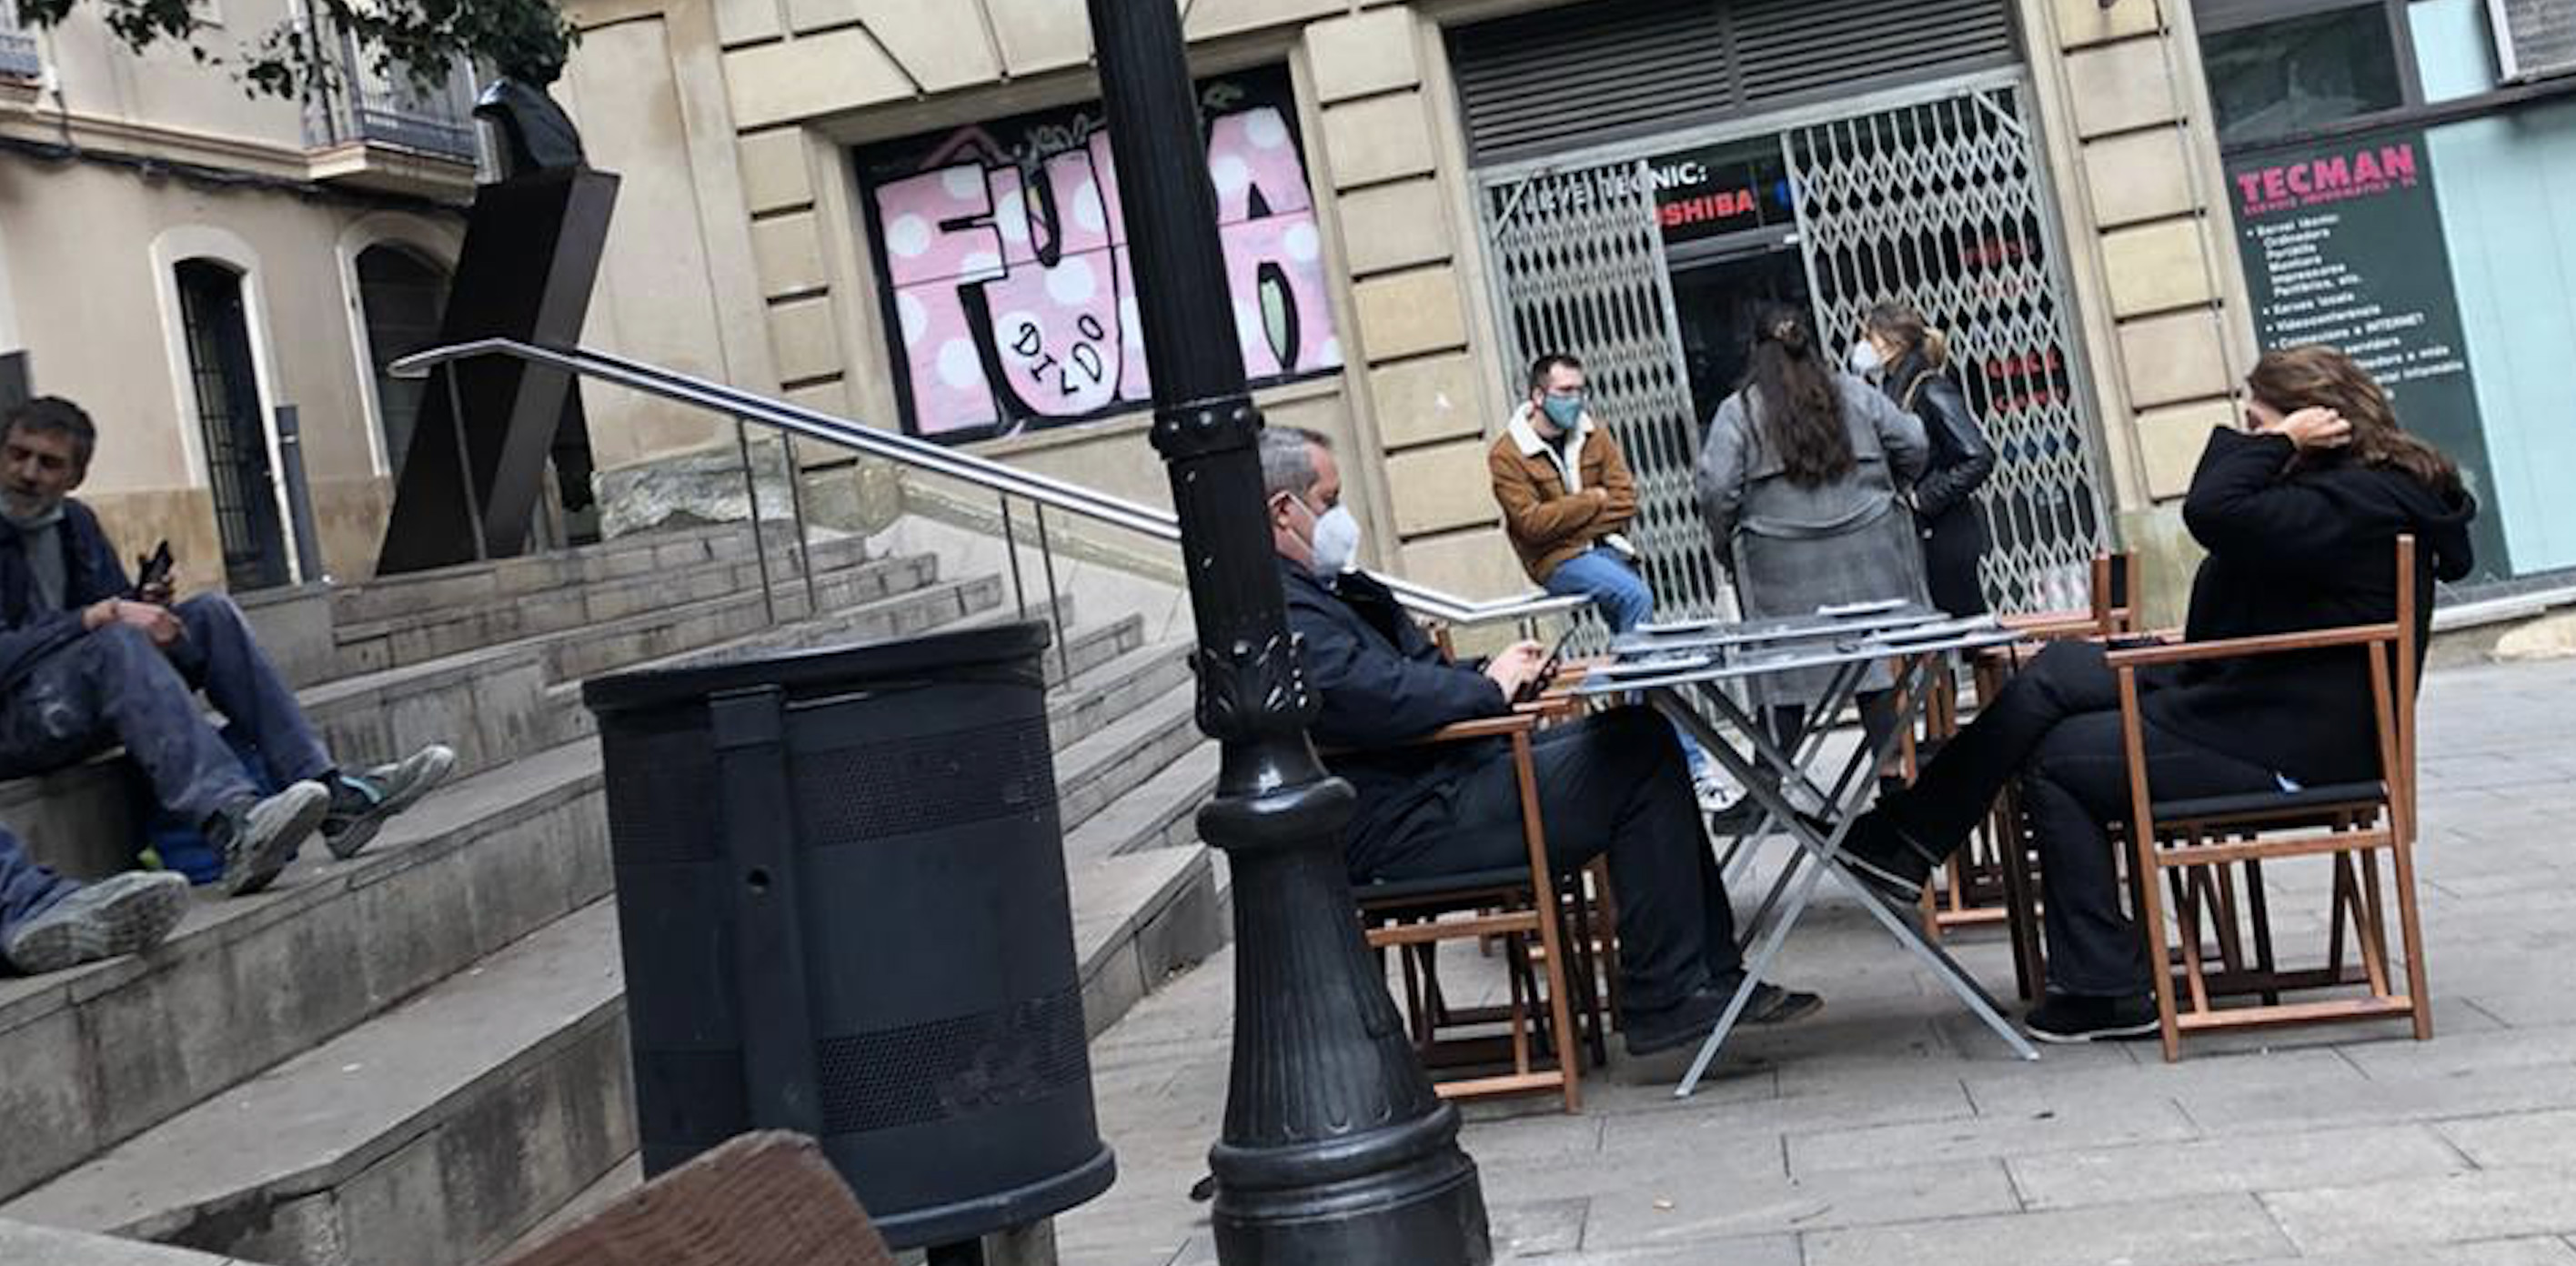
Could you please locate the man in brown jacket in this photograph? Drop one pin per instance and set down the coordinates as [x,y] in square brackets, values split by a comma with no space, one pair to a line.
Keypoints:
[1566,496]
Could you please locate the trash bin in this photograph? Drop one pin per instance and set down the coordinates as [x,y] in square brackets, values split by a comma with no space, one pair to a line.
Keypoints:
[841,898]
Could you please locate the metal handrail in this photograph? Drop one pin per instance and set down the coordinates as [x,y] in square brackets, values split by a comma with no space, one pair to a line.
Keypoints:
[992,476]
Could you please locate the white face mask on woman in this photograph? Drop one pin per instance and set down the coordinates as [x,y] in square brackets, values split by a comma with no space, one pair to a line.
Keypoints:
[1865,360]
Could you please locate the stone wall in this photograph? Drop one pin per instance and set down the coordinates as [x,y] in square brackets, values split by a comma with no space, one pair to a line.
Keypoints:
[2161,293]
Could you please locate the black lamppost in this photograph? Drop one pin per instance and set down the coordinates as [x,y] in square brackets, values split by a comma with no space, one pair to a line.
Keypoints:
[1335,1150]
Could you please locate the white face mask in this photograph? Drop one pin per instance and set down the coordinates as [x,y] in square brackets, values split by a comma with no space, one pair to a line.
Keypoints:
[1337,542]
[1865,360]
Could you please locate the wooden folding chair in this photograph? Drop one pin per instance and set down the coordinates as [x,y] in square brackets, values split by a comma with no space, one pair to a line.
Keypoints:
[2197,847]
[1520,905]
[1994,879]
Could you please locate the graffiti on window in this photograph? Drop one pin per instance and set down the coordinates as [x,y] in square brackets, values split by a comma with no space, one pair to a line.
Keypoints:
[1010,301]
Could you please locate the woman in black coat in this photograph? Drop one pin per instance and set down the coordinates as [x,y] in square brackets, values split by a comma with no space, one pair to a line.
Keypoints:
[1913,363]
[2300,513]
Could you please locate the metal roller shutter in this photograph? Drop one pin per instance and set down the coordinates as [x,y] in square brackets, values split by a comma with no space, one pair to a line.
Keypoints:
[1581,74]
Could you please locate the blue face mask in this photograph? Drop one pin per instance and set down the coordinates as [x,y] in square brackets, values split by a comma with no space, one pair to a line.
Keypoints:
[1562,411]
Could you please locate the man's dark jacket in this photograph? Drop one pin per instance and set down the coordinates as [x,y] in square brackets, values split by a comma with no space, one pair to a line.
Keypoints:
[1382,684]
[91,573]
[2295,546]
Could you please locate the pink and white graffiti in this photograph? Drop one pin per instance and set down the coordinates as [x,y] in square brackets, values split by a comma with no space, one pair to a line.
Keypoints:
[1066,338]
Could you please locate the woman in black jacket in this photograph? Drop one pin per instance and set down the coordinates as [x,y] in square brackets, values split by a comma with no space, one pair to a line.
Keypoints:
[1915,372]
[2300,513]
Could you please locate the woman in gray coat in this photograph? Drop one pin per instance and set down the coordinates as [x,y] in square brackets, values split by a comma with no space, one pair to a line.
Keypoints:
[1799,481]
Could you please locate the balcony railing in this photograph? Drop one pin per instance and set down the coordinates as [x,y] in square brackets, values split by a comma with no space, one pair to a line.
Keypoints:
[385,108]
[20,58]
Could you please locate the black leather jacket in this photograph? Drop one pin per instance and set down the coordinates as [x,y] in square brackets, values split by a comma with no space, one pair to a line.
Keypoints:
[1961,457]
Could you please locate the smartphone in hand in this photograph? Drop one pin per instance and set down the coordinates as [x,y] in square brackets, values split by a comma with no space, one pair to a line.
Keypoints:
[155,570]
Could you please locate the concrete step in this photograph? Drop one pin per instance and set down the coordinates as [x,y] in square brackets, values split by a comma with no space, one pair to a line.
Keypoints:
[1162,813]
[1115,688]
[101,1053]
[1107,763]
[501,580]
[431,1135]
[427,633]
[436,1133]
[581,653]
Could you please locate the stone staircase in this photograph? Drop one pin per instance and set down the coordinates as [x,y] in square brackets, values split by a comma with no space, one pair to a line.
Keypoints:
[414,1057]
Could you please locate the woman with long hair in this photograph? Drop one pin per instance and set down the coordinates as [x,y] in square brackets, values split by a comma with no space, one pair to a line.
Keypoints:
[1799,482]
[1912,364]
[2299,512]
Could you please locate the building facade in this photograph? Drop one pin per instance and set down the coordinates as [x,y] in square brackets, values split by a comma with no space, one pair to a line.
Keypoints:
[906,214]
[185,261]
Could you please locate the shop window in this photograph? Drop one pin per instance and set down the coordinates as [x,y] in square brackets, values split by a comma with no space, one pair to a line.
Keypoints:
[2283,78]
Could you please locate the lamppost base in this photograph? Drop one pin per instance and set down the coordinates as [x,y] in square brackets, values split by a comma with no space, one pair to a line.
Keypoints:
[1430,1211]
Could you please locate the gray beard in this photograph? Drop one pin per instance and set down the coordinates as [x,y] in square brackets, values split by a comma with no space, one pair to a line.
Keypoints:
[49,515]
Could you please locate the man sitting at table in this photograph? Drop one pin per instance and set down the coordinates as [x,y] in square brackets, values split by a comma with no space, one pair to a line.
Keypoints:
[1611,782]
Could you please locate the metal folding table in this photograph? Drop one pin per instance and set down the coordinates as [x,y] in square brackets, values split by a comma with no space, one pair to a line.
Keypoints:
[1671,666]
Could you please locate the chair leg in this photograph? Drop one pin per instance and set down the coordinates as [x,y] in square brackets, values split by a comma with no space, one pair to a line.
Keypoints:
[2258,906]
[2410,927]
[2374,927]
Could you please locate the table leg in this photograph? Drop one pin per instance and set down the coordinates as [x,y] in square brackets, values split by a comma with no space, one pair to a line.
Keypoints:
[1825,852]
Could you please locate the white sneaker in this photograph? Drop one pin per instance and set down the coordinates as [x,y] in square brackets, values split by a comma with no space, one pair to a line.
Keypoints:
[1714,791]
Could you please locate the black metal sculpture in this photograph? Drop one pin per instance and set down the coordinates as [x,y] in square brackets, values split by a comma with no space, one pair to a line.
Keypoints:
[1335,1151]
[487,428]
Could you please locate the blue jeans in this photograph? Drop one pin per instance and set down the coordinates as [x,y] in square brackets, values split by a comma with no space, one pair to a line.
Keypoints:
[114,686]
[1615,587]
[26,889]
[221,657]
[1603,574]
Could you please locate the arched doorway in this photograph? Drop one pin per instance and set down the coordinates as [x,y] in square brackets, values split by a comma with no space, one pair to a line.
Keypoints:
[233,423]
[402,295]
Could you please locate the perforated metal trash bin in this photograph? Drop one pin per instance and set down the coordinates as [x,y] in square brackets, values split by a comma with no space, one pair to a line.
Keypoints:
[841,897]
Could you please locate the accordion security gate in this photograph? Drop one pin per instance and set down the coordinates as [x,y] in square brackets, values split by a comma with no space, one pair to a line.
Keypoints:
[1583,271]
[1937,201]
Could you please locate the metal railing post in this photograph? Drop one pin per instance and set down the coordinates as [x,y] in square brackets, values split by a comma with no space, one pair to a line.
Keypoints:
[1055,599]
[759,536]
[465,466]
[1011,550]
[804,537]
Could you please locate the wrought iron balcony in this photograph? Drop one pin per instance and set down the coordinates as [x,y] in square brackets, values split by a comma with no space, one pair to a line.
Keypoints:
[22,62]
[378,128]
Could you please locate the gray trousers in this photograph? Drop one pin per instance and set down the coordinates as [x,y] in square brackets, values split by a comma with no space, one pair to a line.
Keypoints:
[114,686]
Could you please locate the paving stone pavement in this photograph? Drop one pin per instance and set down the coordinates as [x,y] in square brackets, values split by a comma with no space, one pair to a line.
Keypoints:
[1892,1128]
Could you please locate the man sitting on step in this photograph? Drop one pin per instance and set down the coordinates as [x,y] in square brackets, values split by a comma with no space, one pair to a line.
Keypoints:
[88,660]
[48,923]
[1613,782]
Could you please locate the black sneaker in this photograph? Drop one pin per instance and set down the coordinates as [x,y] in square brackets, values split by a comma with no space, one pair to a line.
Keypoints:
[360,803]
[257,839]
[1878,852]
[122,914]
[2067,1019]
[1689,1021]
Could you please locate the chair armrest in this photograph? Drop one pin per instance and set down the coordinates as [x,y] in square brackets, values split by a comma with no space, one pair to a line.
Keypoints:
[2241,647]
[1480,728]
[2052,624]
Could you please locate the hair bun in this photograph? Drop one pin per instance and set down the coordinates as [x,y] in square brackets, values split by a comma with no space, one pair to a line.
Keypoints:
[1789,334]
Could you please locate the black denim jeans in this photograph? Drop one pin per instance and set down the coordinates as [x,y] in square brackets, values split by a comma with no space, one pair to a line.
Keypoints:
[1613,782]
[2056,726]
